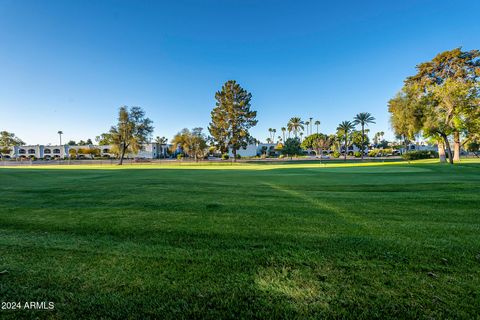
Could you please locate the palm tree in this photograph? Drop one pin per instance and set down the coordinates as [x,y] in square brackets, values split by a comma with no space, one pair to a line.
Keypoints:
[317,123]
[311,123]
[336,143]
[375,139]
[283,131]
[363,119]
[378,137]
[270,132]
[301,135]
[60,132]
[307,124]
[295,124]
[162,141]
[345,127]
[269,140]
[274,131]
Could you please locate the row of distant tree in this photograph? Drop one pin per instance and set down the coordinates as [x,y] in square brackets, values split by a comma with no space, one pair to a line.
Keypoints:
[231,120]
[441,102]
[345,136]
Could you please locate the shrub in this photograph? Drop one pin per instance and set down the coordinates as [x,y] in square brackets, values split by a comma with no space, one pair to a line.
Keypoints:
[225,156]
[357,154]
[336,154]
[238,156]
[292,147]
[421,154]
[373,153]
[180,156]
[281,156]
[473,147]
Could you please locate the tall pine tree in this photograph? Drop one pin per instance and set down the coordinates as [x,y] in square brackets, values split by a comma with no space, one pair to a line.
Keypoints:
[232,118]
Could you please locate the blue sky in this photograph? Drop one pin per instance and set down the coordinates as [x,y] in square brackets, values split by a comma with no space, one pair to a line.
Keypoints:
[69,65]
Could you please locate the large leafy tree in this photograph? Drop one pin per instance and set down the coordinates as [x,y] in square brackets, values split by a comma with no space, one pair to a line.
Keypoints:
[413,112]
[317,142]
[292,147]
[131,132]
[405,116]
[8,140]
[192,142]
[474,146]
[363,119]
[104,139]
[232,118]
[344,129]
[295,124]
[360,139]
[449,85]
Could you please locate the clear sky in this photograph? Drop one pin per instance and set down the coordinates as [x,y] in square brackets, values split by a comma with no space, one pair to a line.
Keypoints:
[69,65]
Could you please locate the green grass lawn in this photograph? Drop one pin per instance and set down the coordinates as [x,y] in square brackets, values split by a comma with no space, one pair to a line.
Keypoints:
[219,241]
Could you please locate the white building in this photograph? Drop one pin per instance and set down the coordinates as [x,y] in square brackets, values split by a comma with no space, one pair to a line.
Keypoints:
[38,151]
[253,150]
[47,152]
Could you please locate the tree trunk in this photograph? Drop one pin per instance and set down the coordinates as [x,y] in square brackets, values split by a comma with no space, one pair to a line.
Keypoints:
[346,149]
[456,146]
[122,155]
[447,145]
[363,141]
[441,152]
[234,151]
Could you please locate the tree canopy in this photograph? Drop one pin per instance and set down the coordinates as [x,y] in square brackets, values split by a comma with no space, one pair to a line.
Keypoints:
[8,139]
[131,132]
[292,147]
[343,131]
[192,142]
[363,119]
[232,117]
[441,100]
[295,124]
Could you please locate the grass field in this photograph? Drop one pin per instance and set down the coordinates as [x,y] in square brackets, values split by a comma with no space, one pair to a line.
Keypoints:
[391,240]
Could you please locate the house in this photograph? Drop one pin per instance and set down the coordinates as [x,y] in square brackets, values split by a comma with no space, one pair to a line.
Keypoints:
[253,150]
[47,152]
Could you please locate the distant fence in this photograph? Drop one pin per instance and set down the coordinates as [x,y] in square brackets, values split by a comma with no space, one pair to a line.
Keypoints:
[109,162]
[13,163]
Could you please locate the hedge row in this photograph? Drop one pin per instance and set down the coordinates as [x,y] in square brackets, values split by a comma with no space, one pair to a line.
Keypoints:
[422,154]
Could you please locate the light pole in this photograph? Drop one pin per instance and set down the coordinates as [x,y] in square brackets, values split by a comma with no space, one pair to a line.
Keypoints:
[60,134]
